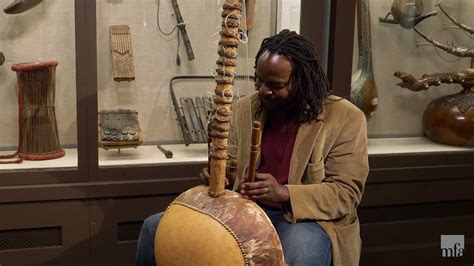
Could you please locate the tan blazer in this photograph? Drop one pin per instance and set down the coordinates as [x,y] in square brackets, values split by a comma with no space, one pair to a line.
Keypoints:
[328,170]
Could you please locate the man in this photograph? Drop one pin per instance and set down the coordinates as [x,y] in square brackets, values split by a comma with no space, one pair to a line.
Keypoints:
[313,162]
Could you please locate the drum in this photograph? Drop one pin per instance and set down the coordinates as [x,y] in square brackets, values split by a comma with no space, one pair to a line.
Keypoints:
[38,130]
[228,230]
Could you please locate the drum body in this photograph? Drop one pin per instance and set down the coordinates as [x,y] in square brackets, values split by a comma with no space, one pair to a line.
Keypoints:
[450,119]
[228,230]
[39,138]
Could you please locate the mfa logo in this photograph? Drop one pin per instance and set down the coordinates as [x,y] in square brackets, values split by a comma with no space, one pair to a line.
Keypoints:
[452,246]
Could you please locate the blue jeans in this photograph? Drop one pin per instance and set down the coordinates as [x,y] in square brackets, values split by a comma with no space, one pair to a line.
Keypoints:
[304,243]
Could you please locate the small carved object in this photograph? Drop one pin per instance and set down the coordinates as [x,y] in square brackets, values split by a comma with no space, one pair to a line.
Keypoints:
[20,6]
[203,216]
[447,119]
[364,92]
[406,13]
[38,130]
[119,129]
[122,53]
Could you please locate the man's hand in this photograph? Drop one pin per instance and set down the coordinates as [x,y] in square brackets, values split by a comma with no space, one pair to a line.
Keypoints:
[266,187]
[204,176]
[230,173]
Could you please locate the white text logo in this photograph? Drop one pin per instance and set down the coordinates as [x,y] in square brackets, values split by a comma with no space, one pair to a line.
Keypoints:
[452,246]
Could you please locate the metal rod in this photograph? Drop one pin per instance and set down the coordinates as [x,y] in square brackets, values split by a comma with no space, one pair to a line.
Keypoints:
[168,154]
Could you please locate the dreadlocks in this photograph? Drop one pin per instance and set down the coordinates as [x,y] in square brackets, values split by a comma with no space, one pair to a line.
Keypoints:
[310,82]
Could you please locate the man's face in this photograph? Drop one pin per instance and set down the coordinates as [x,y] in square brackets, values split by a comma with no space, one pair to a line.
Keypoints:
[273,80]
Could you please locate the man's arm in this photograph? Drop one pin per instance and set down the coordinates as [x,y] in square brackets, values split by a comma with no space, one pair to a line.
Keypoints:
[346,168]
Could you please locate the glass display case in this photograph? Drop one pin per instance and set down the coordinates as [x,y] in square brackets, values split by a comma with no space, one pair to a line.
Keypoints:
[410,74]
[414,38]
[167,76]
[141,39]
[39,92]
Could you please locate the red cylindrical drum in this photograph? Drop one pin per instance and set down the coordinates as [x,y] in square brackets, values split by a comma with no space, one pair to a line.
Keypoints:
[38,130]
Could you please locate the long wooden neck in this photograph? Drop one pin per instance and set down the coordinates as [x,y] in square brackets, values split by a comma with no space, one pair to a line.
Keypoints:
[220,124]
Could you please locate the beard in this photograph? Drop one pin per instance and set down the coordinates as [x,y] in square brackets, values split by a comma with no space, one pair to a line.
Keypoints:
[273,103]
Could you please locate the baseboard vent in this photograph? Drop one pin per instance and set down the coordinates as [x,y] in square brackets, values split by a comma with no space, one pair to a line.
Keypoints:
[128,231]
[30,238]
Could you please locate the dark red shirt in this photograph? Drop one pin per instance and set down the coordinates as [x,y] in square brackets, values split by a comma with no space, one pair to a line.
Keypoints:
[278,139]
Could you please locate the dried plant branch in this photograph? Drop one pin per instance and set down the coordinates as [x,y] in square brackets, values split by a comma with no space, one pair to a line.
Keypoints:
[456,22]
[451,49]
[424,83]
